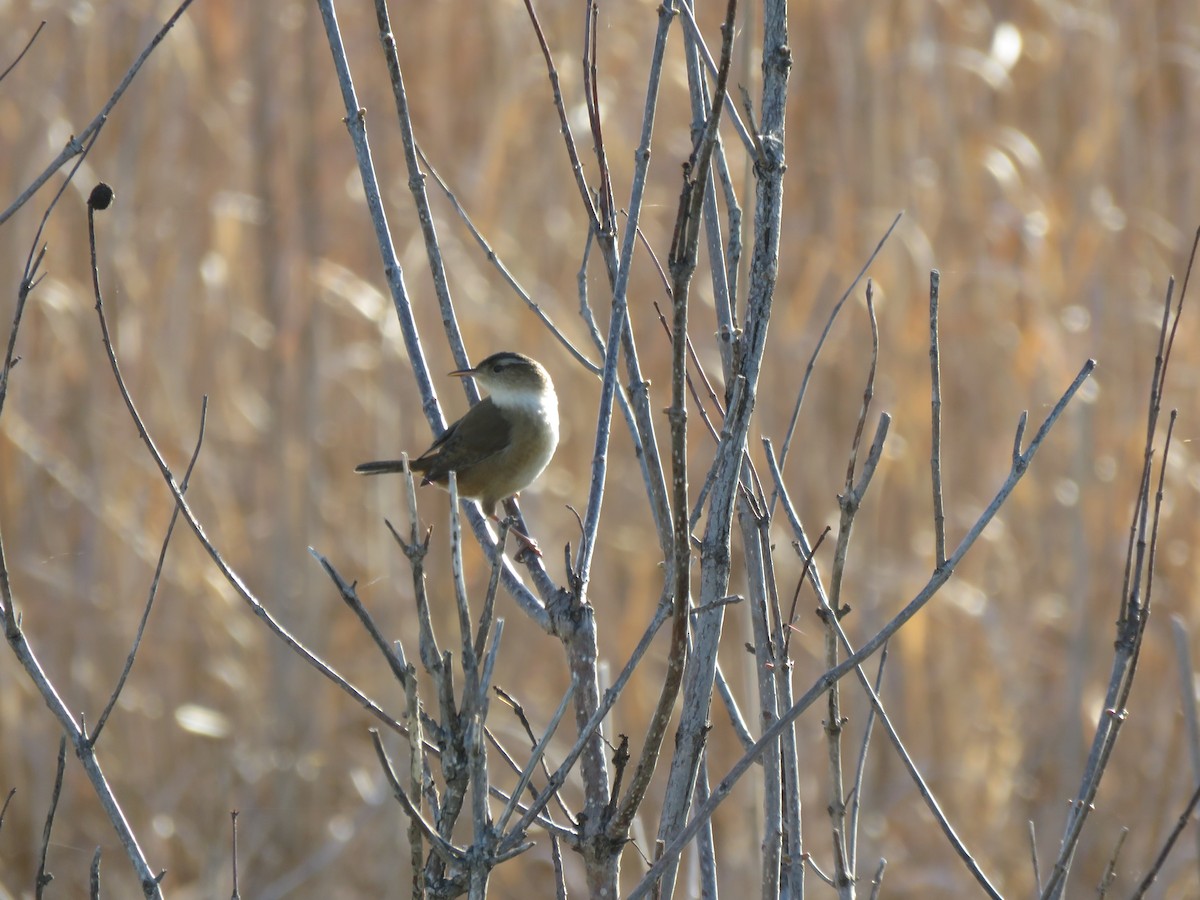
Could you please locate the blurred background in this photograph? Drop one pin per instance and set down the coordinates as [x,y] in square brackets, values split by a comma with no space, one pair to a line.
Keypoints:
[1045,157]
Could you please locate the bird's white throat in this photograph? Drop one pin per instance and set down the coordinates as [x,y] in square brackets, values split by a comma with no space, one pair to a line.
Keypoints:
[541,404]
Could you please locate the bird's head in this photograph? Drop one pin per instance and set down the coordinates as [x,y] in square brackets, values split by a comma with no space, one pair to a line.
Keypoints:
[512,379]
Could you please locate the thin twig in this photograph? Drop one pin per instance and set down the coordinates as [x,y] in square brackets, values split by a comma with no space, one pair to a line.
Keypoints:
[557,779]
[519,712]
[694,34]
[860,771]
[1134,606]
[606,220]
[416,185]
[1110,870]
[812,361]
[877,707]
[4,807]
[832,611]
[682,265]
[808,556]
[30,277]
[494,258]
[43,877]
[1187,691]
[877,881]
[232,577]
[708,424]
[560,878]
[619,273]
[449,853]
[935,418]
[24,50]
[392,651]
[585,192]
[76,144]
[233,817]
[94,877]
[535,758]
[823,683]
[1033,855]
[162,556]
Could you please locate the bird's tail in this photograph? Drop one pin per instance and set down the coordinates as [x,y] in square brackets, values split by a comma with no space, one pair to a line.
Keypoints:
[380,467]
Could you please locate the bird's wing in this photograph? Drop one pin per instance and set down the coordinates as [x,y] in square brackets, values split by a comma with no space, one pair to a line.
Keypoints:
[474,444]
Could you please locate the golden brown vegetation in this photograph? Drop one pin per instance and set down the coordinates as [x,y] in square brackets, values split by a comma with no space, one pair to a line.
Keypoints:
[1046,157]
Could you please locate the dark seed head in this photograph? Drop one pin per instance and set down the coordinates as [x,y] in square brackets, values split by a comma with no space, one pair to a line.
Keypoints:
[101,196]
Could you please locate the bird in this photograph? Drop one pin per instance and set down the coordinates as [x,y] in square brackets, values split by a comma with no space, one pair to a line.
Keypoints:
[502,443]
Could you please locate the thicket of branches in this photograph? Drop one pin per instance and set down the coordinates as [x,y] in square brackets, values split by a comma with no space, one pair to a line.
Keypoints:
[616,810]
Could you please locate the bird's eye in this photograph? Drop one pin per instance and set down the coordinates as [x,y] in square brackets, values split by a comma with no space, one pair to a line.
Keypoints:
[496,368]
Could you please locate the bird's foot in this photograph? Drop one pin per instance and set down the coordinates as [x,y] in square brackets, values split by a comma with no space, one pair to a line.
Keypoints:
[528,545]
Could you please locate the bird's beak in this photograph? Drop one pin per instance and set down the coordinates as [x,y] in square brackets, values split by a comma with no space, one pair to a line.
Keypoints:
[462,373]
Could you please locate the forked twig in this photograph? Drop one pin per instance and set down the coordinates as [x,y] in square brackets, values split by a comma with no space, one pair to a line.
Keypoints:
[355,122]
[1134,604]
[535,758]
[832,609]
[27,657]
[822,684]
[812,361]
[162,556]
[494,258]
[876,705]
[232,577]
[683,258]
[860,770]
[448,853]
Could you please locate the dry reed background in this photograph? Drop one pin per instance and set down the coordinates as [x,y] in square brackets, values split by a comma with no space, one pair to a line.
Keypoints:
[1056,190]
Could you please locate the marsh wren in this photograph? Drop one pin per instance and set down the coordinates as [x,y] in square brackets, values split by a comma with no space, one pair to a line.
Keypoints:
[503,442]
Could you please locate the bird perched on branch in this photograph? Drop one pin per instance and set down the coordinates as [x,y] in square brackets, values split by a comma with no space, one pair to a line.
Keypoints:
[503,442]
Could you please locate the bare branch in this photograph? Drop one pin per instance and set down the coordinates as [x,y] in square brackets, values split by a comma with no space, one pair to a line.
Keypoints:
[234,580]
[535,758]
[162,556]
[1033,856]
[1134,606]
[20,56]
[860,771]
[94,877]
[494,258]
[935,418]
[1110,871]
[877,881]
[822,684]
[1187,692]
[77,143]
[694,34]
[443,848]
[812,361]
[587,732]
[620,334]
[43,877]
[4,808]
[585,192]
[356,126]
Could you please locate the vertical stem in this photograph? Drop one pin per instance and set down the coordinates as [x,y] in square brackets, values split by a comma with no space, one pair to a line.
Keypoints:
[935,394]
